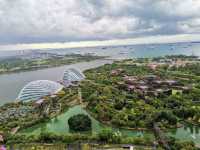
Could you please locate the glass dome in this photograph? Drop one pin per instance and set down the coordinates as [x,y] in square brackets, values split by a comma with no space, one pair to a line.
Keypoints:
[71,75]
[38,89]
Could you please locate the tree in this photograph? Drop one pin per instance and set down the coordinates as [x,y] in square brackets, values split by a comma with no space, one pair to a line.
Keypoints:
[80,122]
[105,135]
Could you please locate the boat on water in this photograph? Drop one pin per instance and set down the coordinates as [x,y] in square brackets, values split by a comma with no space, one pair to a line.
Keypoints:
[123,52]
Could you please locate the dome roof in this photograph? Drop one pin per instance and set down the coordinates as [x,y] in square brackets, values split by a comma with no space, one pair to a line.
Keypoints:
[71,75]
[38,89]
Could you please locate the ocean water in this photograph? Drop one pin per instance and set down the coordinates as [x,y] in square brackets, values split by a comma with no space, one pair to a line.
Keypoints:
[135,51]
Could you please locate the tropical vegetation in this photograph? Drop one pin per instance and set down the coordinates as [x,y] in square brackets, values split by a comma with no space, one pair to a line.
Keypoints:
[80,122]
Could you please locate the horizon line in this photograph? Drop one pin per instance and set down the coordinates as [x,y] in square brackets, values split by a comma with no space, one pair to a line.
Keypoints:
[158,39]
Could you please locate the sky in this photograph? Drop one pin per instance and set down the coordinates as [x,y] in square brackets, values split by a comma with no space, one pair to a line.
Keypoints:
[65,23]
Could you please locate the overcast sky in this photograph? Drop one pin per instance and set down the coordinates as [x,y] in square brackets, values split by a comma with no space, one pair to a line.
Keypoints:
[36,21]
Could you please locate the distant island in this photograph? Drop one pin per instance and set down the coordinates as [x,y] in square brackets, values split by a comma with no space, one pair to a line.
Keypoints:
[41,60]
[144,94]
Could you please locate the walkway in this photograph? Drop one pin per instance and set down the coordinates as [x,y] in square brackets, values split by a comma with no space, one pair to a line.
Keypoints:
[162,139]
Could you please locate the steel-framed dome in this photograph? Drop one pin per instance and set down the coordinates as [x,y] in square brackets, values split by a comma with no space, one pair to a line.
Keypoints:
[38,89]
[72,74]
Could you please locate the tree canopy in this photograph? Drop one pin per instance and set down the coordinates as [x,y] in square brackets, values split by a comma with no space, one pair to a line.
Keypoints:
[80,122]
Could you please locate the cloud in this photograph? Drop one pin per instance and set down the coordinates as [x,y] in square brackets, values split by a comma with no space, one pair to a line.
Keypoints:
[29,21]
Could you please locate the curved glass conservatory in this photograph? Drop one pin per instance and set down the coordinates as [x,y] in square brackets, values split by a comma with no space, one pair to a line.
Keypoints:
[38,89]
[72,75]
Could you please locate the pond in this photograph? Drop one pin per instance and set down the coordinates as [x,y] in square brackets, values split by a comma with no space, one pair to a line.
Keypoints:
[186,133]
[59,125]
